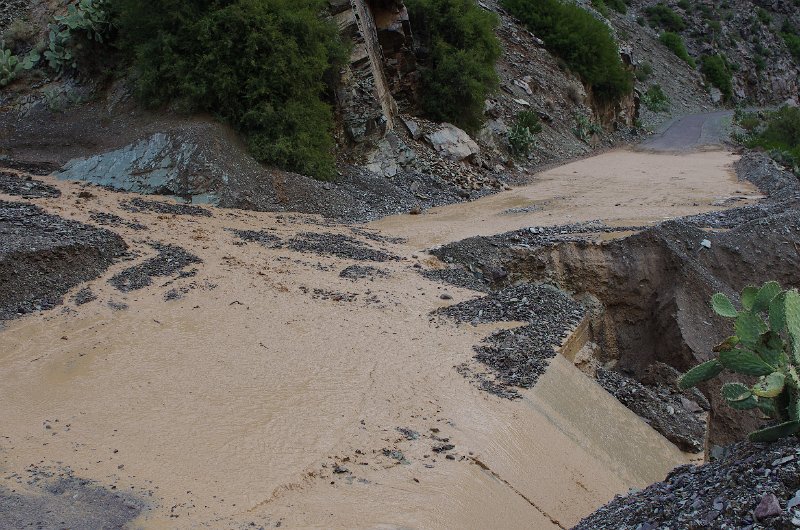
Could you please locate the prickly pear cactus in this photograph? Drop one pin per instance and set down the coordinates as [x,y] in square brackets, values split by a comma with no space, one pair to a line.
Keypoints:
[766,345]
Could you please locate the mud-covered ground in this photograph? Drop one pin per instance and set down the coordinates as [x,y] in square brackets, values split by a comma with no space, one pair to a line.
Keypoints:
[647,289]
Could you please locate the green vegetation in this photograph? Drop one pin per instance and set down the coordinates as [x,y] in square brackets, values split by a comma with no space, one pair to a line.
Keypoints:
[72,35]
[674,43]
[661,16]
[522,135]
[764,16]
[717,72]
[778,133]
[644,71]
[791,36]
[585,128]
[766,345]
[459,70]
[620,6]
[655,99]
[260,65]
[584,43]
[11,65]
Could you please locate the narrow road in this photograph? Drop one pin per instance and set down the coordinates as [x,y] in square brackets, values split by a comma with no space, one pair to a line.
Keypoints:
[684,170]
[693,132]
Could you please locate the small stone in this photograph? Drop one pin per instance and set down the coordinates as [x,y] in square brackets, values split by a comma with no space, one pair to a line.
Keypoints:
[445,296]
[768,507]
[705,243]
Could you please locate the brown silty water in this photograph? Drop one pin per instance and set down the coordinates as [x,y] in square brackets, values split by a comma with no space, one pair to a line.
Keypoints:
[250,399]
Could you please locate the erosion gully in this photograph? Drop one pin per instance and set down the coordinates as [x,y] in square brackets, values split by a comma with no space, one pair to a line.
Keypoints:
[268,389]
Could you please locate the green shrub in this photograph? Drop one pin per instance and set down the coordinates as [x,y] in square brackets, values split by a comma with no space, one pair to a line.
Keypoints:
[791,36]
[644,71]
[764,16]
[260,65]
[459,71]
[655,99]
[766,345]
[11,65]
[584,43]
[618,5]
[661,16]
[685,5]
[779,134]
[73,35]
[585,128]
[674,43]
[717,72]
[601,7]
[522,135]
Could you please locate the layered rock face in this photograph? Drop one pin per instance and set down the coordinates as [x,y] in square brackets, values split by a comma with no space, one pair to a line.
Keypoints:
[382,58]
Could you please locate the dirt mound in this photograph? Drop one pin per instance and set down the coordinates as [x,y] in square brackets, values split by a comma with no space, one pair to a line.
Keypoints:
[752,486]
[43,256]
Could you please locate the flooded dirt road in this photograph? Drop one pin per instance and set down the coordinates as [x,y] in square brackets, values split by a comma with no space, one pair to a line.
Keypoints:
[620,188]
[260,386]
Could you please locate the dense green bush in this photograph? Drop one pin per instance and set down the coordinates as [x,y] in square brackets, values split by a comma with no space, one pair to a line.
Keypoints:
[779,133]
[644,71]
[674,42]
[618,5]
[655,99]
[661,16]
[522,135]
[717,72]
[458,70]
[791,36]
[260,65]
[583,42]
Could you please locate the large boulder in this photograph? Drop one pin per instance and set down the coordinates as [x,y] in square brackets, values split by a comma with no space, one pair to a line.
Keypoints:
[453,143]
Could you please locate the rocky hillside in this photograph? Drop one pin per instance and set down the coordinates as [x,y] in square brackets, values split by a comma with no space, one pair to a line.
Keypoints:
[389,158]
[756,38]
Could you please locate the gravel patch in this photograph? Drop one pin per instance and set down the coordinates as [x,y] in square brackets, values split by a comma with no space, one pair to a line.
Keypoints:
[26,187]
[753,486]
[261,237]
[677,418]
[338,245]
[110,219]
[518,357]
[362,272]
[44,256]
[170,260]
[84,296]
[141,205]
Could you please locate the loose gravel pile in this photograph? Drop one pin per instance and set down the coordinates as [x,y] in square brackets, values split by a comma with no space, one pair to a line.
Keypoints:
[518,357]
[338,245]
[676,417]
[754,486]
[43,256]
[142,205]
[12,184]
[170,260]
[261,237]
[362,272]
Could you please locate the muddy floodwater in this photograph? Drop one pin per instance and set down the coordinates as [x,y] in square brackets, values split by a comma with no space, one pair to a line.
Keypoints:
[261,386]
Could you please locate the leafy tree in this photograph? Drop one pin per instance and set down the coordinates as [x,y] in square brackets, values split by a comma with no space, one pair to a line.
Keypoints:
[259,65]
[458,70]
[583,42]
